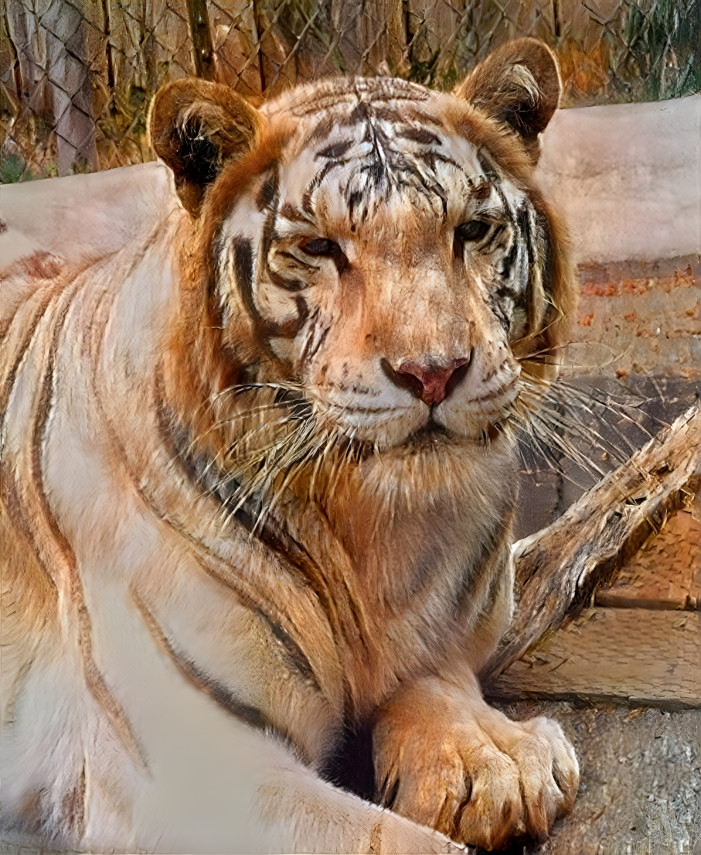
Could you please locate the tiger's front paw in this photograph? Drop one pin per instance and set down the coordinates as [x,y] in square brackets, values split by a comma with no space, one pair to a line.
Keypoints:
[471,773]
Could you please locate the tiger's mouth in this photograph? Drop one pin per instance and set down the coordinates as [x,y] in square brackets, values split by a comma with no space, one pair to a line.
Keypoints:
[431,438]
[431,434]
[435,436]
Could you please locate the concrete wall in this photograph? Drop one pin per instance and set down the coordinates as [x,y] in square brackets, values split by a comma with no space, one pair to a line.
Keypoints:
[627,179]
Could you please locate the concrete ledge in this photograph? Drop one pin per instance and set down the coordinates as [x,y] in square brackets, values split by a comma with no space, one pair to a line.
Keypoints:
[627,179]
[81,218]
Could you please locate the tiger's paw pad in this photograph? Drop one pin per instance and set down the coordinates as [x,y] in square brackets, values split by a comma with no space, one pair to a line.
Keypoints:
[484,781]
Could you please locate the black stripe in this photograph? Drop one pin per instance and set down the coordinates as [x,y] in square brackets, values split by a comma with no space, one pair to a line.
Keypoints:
[419,135]
[401,90]
[336,150]
[508,261]
[523,226]
[318,340]
[218,692]
[498,307]
[486,165]
[294,655]
[291,553]
[307,200]
[375,171]
[491,545]
[322,130]
[267,195]
[495,589]
[431,158]
[355,197]
[243,268]
[302,309]
[291,284]
[289,212]
[520,229]
[339,97]
[293,259]
[543,226]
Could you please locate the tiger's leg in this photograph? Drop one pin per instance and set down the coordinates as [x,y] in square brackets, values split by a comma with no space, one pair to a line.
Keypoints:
[213,783]
[257,797]
[446,759]
[208,783]
[306,814]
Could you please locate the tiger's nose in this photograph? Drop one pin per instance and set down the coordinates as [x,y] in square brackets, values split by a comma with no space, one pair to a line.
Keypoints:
[431,380]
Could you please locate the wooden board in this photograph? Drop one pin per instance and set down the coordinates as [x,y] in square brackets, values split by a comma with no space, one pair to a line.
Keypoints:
[559,569]
[637,655]
[665,574]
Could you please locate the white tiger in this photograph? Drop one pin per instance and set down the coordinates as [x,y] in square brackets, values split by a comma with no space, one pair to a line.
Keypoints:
[258,479]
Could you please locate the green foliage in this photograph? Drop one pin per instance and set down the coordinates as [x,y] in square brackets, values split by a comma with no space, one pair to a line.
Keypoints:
[664,48]
[424,72]
[13,169]
[81,167]
[122,126]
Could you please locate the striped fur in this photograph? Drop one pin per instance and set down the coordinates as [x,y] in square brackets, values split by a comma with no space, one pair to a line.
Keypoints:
[247,512]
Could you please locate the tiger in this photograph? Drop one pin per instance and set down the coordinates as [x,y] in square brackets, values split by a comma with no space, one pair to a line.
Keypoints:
[259,478]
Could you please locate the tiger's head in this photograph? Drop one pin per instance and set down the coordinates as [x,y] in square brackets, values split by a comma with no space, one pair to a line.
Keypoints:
[368,255]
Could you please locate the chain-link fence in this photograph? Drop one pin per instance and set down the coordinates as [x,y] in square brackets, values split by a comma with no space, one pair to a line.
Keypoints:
[76,76]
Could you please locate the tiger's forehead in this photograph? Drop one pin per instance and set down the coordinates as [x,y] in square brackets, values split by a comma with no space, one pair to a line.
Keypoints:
[338,96]
[328,113]
[360,145]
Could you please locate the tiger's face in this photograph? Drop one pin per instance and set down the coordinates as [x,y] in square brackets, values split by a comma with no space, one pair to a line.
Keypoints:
[382,248]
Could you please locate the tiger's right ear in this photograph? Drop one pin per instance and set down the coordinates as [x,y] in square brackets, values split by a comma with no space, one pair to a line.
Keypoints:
[197,127]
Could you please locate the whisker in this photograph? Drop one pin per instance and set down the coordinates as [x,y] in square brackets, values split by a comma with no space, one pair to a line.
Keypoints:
[232,419]
[563,423]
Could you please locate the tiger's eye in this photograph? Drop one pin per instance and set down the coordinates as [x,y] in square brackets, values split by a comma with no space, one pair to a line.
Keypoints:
[321,246]
[472,230]
[325,248]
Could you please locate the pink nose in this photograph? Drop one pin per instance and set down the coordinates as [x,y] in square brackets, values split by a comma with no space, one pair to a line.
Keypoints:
[430,380]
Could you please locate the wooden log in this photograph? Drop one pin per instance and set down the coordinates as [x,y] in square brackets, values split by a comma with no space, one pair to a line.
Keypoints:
[559,568]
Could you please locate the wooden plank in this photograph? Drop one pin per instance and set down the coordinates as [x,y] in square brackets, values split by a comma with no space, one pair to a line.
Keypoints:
[235,43]
[666,573]
[149,43]
[636,655]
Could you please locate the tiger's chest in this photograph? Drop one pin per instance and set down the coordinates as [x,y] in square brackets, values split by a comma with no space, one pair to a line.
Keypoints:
[399,590]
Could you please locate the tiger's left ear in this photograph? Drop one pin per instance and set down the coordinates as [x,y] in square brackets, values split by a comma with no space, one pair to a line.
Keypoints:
[518,85]
[197,127]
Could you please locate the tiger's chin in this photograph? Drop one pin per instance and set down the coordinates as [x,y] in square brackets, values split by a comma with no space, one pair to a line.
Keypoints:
[434,457]
[432,468]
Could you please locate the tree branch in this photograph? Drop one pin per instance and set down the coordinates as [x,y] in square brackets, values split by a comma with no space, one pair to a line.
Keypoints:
[559,568]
